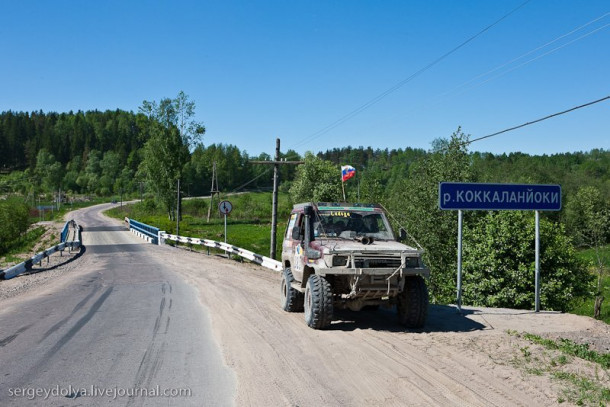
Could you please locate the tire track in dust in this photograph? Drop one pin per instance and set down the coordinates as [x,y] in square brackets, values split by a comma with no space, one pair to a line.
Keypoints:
[454,379]
[11,338]
[152,361]
[275,357]
[416,375]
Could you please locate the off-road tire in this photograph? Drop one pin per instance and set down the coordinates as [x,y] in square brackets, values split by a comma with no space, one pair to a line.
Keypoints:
[318,302]
[412,304]
[291,299]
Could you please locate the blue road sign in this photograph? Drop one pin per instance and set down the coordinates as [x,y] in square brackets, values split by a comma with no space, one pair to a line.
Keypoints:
[493,197]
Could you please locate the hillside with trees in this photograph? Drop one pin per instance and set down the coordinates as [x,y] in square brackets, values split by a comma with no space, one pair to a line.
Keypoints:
[104,154]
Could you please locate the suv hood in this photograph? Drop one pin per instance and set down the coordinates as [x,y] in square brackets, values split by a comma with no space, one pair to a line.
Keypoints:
[378,246]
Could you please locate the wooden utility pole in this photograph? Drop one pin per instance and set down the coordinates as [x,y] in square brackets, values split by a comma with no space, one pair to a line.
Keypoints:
[276,182]
[214,190]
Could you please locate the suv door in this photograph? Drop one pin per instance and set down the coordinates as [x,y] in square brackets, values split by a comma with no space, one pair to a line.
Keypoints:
[292,248]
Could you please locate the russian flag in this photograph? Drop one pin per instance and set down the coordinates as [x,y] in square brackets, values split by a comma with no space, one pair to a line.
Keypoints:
[347,171]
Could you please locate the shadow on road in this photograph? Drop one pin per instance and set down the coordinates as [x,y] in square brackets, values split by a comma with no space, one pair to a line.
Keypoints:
[441,318]
[115,248]
[36,270]
[105,228]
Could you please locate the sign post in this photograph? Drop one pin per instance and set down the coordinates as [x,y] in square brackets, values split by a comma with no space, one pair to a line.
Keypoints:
[459,262]
[225,208]
[537,275]
[497,197]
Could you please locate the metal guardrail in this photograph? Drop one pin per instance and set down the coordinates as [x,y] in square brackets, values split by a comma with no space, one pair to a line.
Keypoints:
[28,264]
[64,232]
[156,236]
[247,254]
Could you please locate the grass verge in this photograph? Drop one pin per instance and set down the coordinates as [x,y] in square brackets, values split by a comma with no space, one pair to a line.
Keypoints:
[555,358]
[23,244]
[586,307]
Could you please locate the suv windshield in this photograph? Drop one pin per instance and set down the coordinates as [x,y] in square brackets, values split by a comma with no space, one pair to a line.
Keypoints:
[349,224]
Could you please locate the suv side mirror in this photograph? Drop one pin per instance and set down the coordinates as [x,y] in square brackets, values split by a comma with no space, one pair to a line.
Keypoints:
[402,234]
[296,233]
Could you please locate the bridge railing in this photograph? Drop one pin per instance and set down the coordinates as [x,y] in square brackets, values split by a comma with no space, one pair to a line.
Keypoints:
[153,235]
[65,243]
[229,248]
[147,232]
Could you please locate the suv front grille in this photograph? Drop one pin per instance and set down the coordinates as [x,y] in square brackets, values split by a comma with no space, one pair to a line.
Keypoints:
[364,263]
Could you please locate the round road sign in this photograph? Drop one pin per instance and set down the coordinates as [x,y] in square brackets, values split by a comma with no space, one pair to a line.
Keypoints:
[225,207]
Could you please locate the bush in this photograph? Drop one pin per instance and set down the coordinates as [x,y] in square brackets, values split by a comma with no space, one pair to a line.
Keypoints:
[414,203]
[14,218]
[499,263]
[195,207]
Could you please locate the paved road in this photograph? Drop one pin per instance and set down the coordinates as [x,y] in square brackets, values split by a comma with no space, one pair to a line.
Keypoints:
[122,321]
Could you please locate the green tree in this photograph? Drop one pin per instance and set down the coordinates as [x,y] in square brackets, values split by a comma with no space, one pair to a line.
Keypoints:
[111,167]
[93,172]
[173,131]
[164,157]
[499,263]
[124,182]
[316,180]
[588,217]
[14,217]
[191,131]
[49,171]
[370,187]
[414,203]
[71,175]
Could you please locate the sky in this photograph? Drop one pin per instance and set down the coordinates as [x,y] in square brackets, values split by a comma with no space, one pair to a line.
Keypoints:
[324,74]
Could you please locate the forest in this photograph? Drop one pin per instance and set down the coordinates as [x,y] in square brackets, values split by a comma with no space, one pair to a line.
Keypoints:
[101,153]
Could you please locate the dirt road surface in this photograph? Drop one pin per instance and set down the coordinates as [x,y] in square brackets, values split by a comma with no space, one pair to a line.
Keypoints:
[364,358]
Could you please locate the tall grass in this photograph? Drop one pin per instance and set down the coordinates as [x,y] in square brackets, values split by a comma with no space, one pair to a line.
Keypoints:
[586,308]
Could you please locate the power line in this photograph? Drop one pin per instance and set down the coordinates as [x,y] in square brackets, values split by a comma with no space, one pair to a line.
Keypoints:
[252,180]
[544,54]
[400,84]
[537,120]
[463,85]
[464,88]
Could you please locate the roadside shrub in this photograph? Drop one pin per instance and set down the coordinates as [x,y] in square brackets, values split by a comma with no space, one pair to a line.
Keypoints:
[14,218]
[195,207]
[499,263]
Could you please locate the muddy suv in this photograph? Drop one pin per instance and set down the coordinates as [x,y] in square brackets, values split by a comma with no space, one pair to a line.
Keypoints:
[338,255]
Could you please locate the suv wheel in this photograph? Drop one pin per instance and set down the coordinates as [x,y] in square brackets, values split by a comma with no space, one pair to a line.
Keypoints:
[412,303]
[292,300]
[318,302]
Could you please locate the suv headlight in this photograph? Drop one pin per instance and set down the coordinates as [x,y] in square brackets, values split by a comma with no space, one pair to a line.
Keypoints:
[339,261]
[412,262]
